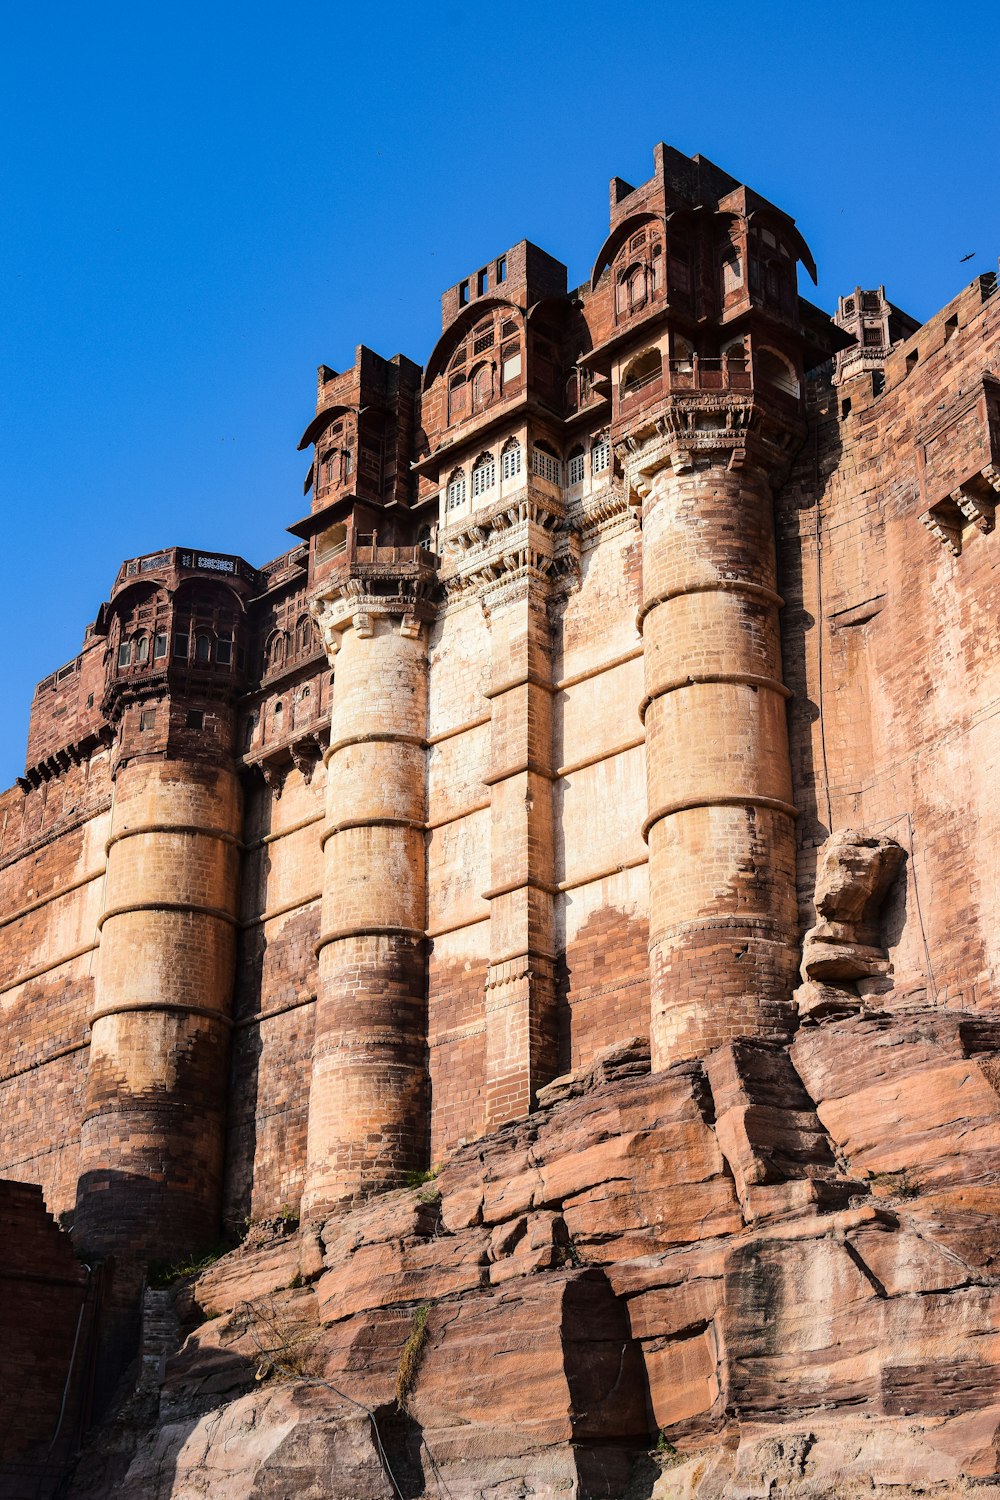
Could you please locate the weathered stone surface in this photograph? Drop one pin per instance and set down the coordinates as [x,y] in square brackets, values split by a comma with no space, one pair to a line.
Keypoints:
[616,1291]
[854,871]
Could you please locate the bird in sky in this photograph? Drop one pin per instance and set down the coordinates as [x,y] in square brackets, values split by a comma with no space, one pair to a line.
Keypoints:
[967,257]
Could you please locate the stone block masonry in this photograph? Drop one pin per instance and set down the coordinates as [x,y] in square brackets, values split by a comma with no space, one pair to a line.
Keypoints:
[599,624]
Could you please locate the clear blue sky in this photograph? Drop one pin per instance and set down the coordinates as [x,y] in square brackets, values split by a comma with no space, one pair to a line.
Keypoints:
[203,202]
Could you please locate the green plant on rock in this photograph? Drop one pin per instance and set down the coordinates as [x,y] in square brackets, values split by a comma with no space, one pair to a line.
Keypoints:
[666,1451]
[893,1184]
[164,1273]
[412,1355]
[417,1179]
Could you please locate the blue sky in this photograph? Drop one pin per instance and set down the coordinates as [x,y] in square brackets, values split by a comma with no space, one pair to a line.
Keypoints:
[204,202]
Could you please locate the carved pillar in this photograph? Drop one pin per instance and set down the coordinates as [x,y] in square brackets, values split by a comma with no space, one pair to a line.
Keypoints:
[521,1033]
[720,821]
[368,1102]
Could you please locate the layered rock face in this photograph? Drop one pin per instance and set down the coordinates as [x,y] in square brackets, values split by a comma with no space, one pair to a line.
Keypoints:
[770,1272]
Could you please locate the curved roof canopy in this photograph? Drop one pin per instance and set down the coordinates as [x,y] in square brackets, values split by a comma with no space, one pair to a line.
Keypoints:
[321,422]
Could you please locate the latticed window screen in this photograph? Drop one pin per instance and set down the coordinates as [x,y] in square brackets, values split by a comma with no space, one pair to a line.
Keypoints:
[455,494]
[600,456]
[510,461]
[483,476]
[576,468]
[546,466]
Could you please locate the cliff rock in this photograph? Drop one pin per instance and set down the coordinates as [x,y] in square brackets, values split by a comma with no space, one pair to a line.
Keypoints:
[769,1274]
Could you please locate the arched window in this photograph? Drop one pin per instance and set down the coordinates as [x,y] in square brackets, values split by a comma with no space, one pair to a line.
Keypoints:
[202,648]
[458,390]
[735,352]
[683,360]
[455,493]
[346,465]
[774,369]
[631,288]
[545,464]
[642,372]
[656,254]
[600,455]
[274,651]
[482,386]
[330,467]
[484,474]
[303,633]
[575,466]
[510,459]
[142,650]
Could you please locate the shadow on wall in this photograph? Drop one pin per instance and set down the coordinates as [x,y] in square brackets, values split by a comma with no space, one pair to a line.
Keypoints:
[800,574]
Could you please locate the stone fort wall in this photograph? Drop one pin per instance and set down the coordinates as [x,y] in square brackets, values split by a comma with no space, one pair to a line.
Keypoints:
[566,814]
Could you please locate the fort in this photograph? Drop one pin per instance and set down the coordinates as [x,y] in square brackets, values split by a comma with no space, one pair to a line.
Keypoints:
[632,682]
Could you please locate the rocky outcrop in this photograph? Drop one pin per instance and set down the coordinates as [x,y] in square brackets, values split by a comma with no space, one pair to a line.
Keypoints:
[842,954]
[771,1274]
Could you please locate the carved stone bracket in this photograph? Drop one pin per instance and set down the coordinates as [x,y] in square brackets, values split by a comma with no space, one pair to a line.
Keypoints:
[686,432]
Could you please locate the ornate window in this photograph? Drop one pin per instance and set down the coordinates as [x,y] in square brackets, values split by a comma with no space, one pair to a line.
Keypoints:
[224,651]
[182,644]
[455,493]
[482,337]
[159,646]
[484,474]
[202,648]
[125,654]
[303,633]
[600,455]
[575,467]
[142,650]
[510,459]
[545,464]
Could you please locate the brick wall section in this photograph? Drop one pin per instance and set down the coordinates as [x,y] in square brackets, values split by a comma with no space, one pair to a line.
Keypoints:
[44,1288]
[890,644]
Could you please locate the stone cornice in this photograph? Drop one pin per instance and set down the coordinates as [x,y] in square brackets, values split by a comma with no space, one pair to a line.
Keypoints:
[687,432]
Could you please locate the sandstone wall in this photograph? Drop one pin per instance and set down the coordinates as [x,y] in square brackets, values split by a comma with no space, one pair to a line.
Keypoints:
[52,865]
[890,643]
[275,997]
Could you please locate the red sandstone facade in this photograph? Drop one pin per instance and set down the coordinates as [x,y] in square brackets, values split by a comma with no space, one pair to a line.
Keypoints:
[631,595]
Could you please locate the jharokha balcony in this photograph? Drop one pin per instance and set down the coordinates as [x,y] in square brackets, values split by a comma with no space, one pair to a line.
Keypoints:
[696,375]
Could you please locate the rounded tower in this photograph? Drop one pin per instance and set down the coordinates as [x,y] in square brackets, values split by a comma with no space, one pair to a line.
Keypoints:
[706,365]
[368,1101]
[151,1148]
